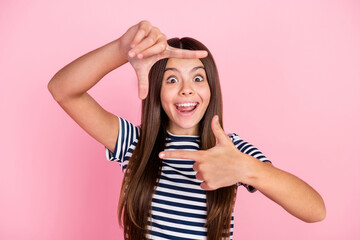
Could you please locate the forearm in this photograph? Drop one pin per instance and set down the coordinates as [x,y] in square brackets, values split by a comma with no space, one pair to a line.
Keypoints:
[290,192]
[83,73]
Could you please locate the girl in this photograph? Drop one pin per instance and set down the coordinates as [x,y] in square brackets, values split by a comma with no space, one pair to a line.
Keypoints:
[181,171]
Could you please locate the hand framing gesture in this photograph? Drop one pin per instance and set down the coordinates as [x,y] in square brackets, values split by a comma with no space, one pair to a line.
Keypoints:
[220,166]
[145,45]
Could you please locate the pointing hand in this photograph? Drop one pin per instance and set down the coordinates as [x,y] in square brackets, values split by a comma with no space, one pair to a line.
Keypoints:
[220,166]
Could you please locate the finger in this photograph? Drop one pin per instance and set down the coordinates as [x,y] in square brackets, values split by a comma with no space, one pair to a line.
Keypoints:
[205,186]
[143,31]
[219,133]
[184,53]
[198,176]
[156,49]
[150,40]
[143,84]
[181,154]
[196,166]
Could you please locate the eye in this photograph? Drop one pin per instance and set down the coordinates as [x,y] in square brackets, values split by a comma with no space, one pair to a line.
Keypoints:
[171,80]
[198,78]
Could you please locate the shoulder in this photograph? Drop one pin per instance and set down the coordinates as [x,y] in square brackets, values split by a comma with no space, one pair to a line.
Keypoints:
[234,137]
[246,147]
[128,134]
[126,127]
[238,141]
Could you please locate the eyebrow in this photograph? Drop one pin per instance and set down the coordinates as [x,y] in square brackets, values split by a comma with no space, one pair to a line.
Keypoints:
[192,70]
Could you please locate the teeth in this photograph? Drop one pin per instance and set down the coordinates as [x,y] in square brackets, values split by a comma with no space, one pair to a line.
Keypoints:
[186,104]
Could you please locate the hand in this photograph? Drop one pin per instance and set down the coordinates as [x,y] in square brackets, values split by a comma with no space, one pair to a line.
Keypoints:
[144,46]
[220,166]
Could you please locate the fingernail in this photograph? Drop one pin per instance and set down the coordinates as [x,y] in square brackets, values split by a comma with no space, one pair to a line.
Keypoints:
[131,54]
[161,155]
[140,56]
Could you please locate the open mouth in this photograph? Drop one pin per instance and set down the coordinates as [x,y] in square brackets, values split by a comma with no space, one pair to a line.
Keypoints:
[186,107]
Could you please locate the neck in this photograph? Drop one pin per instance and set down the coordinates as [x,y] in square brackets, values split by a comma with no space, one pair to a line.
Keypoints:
[194,131]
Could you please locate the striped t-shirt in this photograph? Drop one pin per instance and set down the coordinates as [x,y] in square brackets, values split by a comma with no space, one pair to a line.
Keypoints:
[178,208]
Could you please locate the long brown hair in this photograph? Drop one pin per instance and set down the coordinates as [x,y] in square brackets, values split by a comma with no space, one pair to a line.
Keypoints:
[143,171]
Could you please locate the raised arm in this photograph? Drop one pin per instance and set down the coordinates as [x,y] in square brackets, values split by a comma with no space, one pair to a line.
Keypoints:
[142,45]
[69,88]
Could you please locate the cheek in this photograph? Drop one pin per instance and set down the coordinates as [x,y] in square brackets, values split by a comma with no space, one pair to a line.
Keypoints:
[205,94]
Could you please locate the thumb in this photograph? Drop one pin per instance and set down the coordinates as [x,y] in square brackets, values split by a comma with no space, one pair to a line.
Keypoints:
[143,83]
[172,52]
[219,133]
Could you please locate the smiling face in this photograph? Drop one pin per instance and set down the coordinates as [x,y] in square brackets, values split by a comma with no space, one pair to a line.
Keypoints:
[185,95]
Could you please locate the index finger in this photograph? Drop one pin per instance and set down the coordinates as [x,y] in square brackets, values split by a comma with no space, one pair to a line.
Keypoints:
[142,32]
[185,53]
[181,154]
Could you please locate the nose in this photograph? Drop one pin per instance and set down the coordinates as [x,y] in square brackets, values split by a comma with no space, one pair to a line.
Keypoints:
[186,89]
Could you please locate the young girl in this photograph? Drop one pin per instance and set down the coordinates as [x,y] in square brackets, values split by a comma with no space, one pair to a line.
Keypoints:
[181,171]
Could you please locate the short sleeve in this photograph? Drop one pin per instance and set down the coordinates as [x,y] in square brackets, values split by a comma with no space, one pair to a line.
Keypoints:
[127,136]
[249,149]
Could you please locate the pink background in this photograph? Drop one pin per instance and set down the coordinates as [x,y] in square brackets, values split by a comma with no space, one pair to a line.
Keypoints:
[291,84]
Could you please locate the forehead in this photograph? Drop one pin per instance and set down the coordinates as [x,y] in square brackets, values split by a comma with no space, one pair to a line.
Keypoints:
[183,64]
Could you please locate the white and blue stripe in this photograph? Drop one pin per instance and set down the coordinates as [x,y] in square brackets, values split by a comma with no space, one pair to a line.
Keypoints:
[178,208]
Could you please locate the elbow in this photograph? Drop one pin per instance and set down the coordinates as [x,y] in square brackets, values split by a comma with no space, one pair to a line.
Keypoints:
[317,215]
[51,87]
[316,218]
[55,90]
[320,215]
[317,210]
